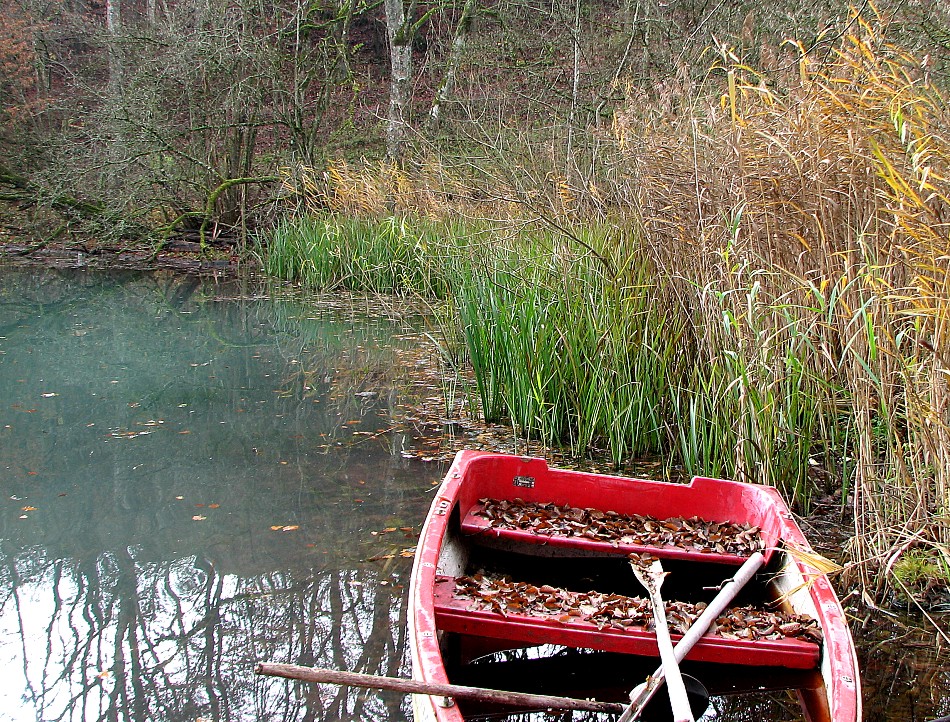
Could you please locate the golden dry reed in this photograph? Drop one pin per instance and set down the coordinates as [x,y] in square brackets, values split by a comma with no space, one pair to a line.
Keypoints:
[762,283]
[811,205]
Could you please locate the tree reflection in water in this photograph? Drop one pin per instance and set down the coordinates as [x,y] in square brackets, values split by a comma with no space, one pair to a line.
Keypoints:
[115,639]
[190,483]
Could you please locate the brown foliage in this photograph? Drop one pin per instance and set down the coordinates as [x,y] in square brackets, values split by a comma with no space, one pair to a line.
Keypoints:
[18,88]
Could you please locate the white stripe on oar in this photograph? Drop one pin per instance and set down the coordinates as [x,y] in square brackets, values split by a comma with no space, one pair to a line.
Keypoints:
[644,692]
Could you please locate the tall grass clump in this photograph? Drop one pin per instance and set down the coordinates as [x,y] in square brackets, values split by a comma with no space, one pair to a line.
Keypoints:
[570,341]
[382,255]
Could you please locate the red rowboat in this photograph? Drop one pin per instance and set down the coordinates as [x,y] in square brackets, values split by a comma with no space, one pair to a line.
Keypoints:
[520,566]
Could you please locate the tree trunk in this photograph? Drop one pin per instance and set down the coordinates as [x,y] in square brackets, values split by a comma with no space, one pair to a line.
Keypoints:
[400,56]
[113,24]
[455,56]
[571,162]
[345,21]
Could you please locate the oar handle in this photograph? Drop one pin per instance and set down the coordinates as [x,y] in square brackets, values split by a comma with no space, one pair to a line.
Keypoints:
[679,701]
[435,689]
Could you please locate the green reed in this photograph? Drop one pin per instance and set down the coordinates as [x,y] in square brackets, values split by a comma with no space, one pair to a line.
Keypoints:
[575,339]
[388,255]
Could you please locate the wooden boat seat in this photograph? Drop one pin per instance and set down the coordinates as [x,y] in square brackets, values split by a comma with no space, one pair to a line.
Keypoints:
[453,614]
[479,529]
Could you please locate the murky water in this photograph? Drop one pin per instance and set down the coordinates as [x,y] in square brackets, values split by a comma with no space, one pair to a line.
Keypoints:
[196,476]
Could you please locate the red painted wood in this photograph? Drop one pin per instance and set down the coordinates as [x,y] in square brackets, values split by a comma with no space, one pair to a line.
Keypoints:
[475,475]
[456,615]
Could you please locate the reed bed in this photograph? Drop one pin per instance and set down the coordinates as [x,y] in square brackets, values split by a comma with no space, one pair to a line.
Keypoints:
[754,282]
[387,255]
[804,225]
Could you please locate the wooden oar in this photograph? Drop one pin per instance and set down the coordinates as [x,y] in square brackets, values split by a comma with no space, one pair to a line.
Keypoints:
[414,686]
[644,692]
[651,576]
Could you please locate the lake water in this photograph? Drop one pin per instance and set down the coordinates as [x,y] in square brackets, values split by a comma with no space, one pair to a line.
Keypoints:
[192,479]
[197,475]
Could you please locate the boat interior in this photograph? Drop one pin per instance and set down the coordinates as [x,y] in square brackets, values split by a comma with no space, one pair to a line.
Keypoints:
[576,658]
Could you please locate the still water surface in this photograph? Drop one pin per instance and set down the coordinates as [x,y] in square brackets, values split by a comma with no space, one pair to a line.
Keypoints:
[191,479]
[196,475]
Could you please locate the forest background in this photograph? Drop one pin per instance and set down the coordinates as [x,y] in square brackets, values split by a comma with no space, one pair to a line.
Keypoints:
[711,230]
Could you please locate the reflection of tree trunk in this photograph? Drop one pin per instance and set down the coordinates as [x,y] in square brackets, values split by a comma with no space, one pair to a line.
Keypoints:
[217,688]
[335,589]
[128,619]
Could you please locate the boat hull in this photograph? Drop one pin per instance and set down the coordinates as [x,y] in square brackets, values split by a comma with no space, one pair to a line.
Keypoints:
[444,550]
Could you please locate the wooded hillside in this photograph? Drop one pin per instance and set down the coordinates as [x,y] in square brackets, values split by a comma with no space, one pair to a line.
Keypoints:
[197,118]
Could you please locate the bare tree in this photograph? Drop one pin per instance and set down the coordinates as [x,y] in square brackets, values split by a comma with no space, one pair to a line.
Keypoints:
[399,35]
[444,91]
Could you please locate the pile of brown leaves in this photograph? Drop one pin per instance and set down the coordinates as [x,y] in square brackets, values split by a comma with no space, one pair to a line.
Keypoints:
[610,526]
[506,597]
